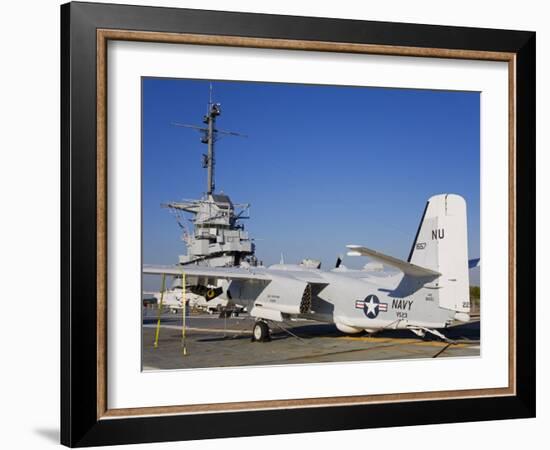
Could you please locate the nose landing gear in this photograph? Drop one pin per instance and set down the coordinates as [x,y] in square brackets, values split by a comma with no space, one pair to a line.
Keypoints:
[260,332]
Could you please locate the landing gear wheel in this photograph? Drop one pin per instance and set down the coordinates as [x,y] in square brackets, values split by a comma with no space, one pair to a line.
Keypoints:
[260,332]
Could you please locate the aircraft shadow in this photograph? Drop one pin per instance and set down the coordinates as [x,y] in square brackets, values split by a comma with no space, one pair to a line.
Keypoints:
[469,331]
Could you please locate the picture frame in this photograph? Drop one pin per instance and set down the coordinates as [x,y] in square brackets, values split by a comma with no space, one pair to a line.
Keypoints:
[86,418]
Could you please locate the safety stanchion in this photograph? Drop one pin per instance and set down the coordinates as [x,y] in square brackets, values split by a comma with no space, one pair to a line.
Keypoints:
[184,309]
[162,289]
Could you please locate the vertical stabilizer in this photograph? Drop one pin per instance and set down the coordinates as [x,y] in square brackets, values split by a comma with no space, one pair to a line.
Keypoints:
[441,244]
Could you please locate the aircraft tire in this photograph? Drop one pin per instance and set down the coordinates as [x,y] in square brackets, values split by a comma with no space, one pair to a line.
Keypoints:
[260,332]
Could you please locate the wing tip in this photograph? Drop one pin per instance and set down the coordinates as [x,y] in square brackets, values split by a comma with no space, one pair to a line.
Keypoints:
[354,250]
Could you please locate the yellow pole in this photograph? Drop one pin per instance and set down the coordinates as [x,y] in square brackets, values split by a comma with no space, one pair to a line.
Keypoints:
[162,289]
[184,309]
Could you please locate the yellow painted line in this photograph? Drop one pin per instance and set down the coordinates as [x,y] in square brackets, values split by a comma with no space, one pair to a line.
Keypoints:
[379,340]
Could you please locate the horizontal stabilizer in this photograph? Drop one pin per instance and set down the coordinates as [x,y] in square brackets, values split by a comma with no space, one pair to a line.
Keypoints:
[403,266]
[473,263]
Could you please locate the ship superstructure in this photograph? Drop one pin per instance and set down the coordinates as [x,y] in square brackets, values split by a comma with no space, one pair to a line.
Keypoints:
[217,237]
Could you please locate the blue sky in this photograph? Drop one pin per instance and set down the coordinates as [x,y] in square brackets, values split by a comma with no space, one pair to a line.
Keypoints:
[322,166]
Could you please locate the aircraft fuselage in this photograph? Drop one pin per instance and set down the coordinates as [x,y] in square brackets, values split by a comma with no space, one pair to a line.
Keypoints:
[356,300]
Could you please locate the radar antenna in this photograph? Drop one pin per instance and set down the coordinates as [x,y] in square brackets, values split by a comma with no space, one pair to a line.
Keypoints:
[210,135]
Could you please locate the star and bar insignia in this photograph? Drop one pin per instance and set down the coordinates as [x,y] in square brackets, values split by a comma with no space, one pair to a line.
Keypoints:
[371,306]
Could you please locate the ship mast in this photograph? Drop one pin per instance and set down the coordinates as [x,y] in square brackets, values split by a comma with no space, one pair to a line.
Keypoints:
[209,159]
[210,135]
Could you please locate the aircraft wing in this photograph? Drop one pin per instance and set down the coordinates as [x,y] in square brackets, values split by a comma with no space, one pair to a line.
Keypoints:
[403,266]
[270,284]
[208,273]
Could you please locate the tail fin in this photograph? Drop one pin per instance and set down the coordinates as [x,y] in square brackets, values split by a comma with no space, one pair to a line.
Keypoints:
[441,244]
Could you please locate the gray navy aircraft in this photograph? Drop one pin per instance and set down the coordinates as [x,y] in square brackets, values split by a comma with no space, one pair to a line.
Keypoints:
[427,293]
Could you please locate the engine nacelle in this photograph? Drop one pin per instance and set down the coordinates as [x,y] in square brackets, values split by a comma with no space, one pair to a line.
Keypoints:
[287,295]
[347,329]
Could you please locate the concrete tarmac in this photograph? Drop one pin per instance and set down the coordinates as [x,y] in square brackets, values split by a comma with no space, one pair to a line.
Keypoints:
[214,342]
